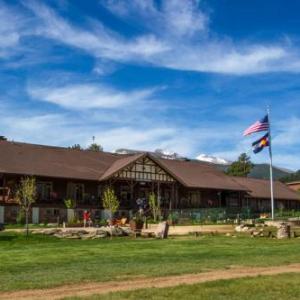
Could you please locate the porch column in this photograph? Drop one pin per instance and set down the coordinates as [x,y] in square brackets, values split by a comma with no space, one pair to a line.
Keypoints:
[35,215]
[2,214]
[176,196]
[132,204]
[172,196]
[158,193]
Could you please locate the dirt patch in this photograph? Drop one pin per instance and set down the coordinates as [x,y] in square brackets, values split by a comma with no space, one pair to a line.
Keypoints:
[88,289]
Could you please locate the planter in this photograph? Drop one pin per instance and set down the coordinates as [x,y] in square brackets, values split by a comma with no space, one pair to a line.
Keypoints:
[136,225]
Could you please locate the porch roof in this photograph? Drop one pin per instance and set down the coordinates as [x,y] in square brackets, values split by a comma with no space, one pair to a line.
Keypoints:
[196,174]
[260,188]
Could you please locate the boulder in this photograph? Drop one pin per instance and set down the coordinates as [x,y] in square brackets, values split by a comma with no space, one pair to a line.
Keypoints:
[242,228]
[162,230]
[284,231]
[47,231]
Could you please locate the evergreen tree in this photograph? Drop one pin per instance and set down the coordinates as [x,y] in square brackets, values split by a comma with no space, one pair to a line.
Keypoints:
[292,177]
[95,147]
[242,167]
[76,146]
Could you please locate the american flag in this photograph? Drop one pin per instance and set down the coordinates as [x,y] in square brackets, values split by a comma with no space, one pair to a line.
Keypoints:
[258,126]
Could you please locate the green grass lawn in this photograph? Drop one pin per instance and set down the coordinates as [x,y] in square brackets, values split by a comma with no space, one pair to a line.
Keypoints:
[43,261]
[283,287]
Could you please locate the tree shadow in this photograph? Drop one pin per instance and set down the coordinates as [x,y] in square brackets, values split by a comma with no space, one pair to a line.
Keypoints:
[6,238]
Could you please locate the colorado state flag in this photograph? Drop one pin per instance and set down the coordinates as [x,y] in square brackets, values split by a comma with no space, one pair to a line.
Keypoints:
[260,144]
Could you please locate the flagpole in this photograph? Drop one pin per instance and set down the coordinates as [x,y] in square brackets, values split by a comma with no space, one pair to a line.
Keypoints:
[271,165]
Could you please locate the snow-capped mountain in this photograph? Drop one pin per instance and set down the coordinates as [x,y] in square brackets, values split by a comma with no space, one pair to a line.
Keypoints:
[162,153]
[213,159]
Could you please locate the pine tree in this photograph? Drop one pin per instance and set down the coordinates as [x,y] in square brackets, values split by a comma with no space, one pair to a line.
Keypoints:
[242,167]
[95,147]
[76,147]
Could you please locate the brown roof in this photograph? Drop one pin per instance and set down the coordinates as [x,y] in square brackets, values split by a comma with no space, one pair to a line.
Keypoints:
[48,161]
[38,160]
[260,188]
[29,159]
[120,164]
[200,175]
[293,182]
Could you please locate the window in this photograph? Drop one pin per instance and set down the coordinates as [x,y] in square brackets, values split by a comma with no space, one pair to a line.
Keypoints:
[44,190]
[75,191]
[232,202]
[194,198]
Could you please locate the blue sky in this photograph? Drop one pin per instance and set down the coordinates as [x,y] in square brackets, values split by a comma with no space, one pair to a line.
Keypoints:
[186,76]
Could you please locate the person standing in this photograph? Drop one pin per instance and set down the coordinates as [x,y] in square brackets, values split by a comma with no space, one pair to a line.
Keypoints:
[86,217]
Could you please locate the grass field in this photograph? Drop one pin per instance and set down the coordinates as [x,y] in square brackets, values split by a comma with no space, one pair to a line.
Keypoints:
[283,287]
[43,261]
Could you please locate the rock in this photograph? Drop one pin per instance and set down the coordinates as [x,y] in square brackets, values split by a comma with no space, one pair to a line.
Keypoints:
[162,230]
[80,233]
[255,233]
[127,231]
[117,231]
[47,231]
[72,237]
[242,228]
[284,231]
[75,231]
[239,228]
[100,236]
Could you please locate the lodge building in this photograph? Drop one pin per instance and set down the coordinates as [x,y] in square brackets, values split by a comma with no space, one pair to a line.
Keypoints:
[82,175]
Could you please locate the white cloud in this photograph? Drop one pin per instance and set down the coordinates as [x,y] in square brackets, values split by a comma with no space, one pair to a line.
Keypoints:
[287,133]
[97,40]
[176,35]
[9,31]
[183,18]
[177,38]
[173,17]
[87,96]
[136,130]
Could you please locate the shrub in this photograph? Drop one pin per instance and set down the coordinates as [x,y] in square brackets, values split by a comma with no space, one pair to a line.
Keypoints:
[69,203]
[154,206]
[21,217]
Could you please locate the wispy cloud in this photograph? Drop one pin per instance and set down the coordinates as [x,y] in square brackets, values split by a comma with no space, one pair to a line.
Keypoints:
[10,31]
[162,45]
[87,96]
[287,133]
[175,18]
[97,39]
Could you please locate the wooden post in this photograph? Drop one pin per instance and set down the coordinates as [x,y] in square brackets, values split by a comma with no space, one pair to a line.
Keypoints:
[172,196]
[176,195]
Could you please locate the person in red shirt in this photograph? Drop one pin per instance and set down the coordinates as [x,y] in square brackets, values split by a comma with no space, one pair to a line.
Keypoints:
[86,217]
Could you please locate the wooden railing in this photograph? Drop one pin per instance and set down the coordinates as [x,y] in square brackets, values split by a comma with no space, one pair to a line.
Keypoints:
[4,194]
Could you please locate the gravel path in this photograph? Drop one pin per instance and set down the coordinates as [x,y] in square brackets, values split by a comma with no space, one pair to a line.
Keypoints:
[87,289]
